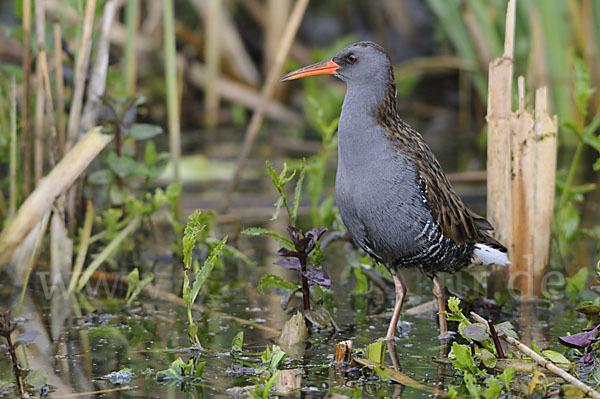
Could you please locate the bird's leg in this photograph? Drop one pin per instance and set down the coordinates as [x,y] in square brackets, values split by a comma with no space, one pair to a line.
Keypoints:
[438,292]
[400,293]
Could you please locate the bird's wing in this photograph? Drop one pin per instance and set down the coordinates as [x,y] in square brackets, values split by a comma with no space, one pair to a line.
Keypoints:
[455,219]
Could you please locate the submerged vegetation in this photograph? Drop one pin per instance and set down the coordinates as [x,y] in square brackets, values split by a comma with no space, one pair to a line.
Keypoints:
[104,288]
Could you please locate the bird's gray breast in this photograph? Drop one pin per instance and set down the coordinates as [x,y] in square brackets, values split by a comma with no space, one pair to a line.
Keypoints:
[377,193]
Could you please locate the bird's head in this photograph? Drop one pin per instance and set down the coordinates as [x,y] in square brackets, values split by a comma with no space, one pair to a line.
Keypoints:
[359,63]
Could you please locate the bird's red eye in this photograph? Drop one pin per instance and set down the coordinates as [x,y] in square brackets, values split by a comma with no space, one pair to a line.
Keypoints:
[351,58]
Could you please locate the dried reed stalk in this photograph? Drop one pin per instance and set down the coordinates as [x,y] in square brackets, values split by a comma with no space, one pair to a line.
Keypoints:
[232,46]
[240,94]
[59,85]
[81,67]
[523,166]
[42,198]
[521,173]
[277,14]
[86,232]
[213,62]
[97,80]
[546,130]
[292,25]
[499,196]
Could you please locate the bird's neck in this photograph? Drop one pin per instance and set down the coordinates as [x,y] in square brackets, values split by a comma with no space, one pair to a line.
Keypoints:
[361,137]
[370,98]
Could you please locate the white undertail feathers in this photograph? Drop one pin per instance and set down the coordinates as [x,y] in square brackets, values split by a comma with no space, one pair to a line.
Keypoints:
[489,255]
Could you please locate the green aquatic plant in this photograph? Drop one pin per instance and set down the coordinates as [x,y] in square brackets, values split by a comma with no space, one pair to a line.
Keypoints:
[135,286]
[480,354]
[182,373]
[268,372]
[567,230]
[195,276]
[301,252]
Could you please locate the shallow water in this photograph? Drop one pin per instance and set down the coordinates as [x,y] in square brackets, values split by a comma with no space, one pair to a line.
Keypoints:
[87,337]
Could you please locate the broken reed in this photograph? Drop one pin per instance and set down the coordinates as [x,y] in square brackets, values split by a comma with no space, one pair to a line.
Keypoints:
[521,171]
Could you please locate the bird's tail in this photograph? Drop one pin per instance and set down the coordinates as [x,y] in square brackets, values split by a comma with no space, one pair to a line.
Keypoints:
[488,253]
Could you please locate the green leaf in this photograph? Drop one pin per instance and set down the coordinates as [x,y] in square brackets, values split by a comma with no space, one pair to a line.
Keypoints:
[535,348]
[271,359]
[140,286]
[506,377]
[487,357]
[143,131]
[576,284]
[199,369]
[273,280]
[493,390]
[150,155]
[555,357]
[122,166]
[132,279]
[362,283]
[260,231]
[271,172]
[507,328]
[180,372]
[582,90]
[204,272]
[277,206]
[591,128]
[37,379]
[453,305]
[100,177]
[238,342]
[476,332]
[376,351]
[472,386]
[381,373]
[298,191]
[190,235]
[269,384]
[461,358]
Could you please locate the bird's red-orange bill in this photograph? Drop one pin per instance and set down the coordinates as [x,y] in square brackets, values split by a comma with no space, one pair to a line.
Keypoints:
[327,67]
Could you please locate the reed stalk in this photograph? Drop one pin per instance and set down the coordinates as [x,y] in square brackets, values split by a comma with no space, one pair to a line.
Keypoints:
[81,67]
[97,80]
[13,189]
[499,195]
[25,121]
[86,232]
[521,175]
[59,85]
[51,143]
[132,17]
[42,198]
[287,39]
[213,57]
[172,93]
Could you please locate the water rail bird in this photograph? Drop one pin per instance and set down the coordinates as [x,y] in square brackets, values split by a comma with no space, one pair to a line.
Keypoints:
[391,192]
